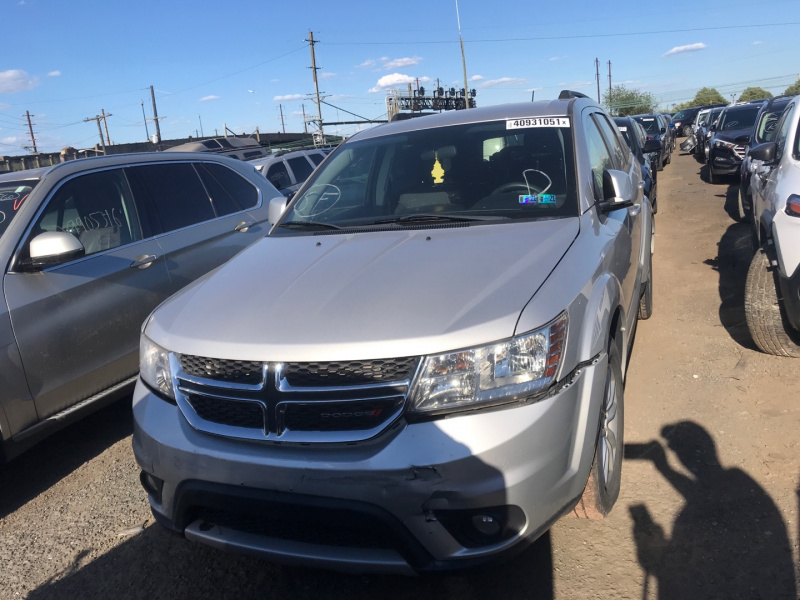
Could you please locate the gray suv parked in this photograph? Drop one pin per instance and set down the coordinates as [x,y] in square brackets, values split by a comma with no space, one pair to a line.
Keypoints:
[88,249]
[422,366]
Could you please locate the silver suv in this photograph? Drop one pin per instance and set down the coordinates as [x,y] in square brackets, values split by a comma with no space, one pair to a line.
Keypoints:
[772,291]
[89,248]
[421,367]
[288,170]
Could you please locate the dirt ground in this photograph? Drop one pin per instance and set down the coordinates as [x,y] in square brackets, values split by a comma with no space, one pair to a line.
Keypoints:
[710,510]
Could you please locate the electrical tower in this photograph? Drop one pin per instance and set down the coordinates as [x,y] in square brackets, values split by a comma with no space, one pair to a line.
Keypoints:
[319,136]
[30,128]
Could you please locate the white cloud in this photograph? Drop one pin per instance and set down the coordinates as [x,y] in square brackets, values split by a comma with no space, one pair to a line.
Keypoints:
[326,75]
[477,78]
[209,98]
[502,81]
[15,80]
[757,42]
[288,98]
[575,85]
[54,74]
[367,63]
[11,140]
[395,79]
[687,48]
[402,62]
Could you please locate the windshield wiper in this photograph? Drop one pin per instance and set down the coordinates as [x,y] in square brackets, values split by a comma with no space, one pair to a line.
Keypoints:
[308,225]
[425,217]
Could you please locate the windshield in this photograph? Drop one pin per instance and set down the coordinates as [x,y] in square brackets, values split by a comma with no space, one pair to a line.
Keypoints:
[12,195]
[650,125]
[686,113]
[765,132]
[738,118]
[515,169]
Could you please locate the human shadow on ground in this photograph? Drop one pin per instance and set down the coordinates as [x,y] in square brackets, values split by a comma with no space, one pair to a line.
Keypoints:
[57,456]
[729,539]
[734,253]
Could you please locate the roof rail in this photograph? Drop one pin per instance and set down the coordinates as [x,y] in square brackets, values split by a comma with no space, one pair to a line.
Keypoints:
[567,94]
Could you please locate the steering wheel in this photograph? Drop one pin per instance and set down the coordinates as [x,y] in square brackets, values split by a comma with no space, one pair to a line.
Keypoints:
[515,186]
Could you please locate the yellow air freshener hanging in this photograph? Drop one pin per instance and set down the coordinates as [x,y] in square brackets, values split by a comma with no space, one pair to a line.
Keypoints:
[438,171]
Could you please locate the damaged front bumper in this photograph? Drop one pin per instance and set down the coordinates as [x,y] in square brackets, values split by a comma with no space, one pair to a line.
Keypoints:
[425,496]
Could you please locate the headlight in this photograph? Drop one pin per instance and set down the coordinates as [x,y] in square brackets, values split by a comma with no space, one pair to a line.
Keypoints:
[721,144]
[154,367]
[495,374]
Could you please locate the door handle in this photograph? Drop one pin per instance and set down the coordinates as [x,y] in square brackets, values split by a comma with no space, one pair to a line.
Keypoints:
[143,261]
[243,226]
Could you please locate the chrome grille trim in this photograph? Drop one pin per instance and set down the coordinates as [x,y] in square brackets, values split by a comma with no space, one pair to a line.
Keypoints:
[740,151]
[291,414]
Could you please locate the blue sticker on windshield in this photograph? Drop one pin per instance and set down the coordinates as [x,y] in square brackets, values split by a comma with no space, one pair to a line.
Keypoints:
[537,199]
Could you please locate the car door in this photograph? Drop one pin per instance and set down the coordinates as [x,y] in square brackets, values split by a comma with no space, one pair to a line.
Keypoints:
[77,324]
[607,153]
[202,212]
[768,188]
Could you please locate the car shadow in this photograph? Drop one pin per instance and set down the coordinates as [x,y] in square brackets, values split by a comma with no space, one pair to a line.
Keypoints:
[734,253]
[57,456]
[729,540]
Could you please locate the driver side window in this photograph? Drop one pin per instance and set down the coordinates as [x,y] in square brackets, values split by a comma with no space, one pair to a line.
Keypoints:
[96,208]
[599,156]
[783,130]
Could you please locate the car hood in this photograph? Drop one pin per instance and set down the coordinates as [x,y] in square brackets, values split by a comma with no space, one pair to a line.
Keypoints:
[730,135]
[365,295]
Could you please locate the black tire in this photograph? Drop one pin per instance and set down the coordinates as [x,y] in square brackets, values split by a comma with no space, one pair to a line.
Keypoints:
[687,130]
[669,158]
[712,178]
[661,160]
[646,299]
[768,325]
[602,487]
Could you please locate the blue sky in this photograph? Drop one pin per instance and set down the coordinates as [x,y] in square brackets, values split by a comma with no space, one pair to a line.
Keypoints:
[238,63]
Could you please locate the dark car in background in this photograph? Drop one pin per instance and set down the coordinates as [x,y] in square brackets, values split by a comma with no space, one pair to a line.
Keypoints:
[684,119]
[764,131]
[655,127]
[730,137]
[703,133]
[646,153]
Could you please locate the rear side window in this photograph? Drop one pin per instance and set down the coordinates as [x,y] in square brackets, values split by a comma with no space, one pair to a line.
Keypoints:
[300,167]
[97,208]
[621,154]
[173,194]
[278,175]
[229,191]
[316,157]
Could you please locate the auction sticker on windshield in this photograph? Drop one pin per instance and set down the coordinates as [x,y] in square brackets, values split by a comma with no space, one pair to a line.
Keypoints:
[537,122]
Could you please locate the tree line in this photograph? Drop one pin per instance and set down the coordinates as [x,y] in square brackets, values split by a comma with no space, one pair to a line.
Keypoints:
[622,101]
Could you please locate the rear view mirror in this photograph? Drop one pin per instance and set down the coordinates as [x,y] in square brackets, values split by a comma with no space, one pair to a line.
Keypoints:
[277,206]
[52,248]
[764,152]
[617,190]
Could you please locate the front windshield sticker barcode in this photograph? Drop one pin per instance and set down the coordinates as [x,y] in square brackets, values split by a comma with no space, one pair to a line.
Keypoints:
[537,122]
[537,199]
[623,129]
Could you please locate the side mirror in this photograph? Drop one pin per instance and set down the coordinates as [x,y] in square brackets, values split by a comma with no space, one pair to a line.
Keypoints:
[617,191]
[742,139]
[713,127]
[764,152]
[52,248]
[663,130]
[652,146]
[275,210]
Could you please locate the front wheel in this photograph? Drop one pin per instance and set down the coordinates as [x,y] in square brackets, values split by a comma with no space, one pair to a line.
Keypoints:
[602,487]
[646,299]
[768,326]
[687,130]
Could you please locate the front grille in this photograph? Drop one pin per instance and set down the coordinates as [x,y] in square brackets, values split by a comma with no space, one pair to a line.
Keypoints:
[740,151]
[335,401]
[345,373]
[235,413]
[234,371]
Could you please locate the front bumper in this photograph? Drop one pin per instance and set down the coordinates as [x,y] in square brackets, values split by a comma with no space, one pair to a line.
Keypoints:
[723,161]
[426,496]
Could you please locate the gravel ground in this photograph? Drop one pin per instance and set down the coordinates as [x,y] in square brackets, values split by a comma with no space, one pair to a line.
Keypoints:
[708,511]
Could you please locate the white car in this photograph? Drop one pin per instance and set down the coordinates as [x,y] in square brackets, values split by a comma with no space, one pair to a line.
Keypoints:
[772,292]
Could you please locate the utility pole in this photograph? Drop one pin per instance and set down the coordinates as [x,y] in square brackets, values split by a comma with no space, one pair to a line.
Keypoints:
[155,117]
[609,79]
[144,116]
[597,77]
[201,125]
[283,126]
[97,119]
[30,128]
[463,60]
[305,123]
[105,124]
[317,100]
